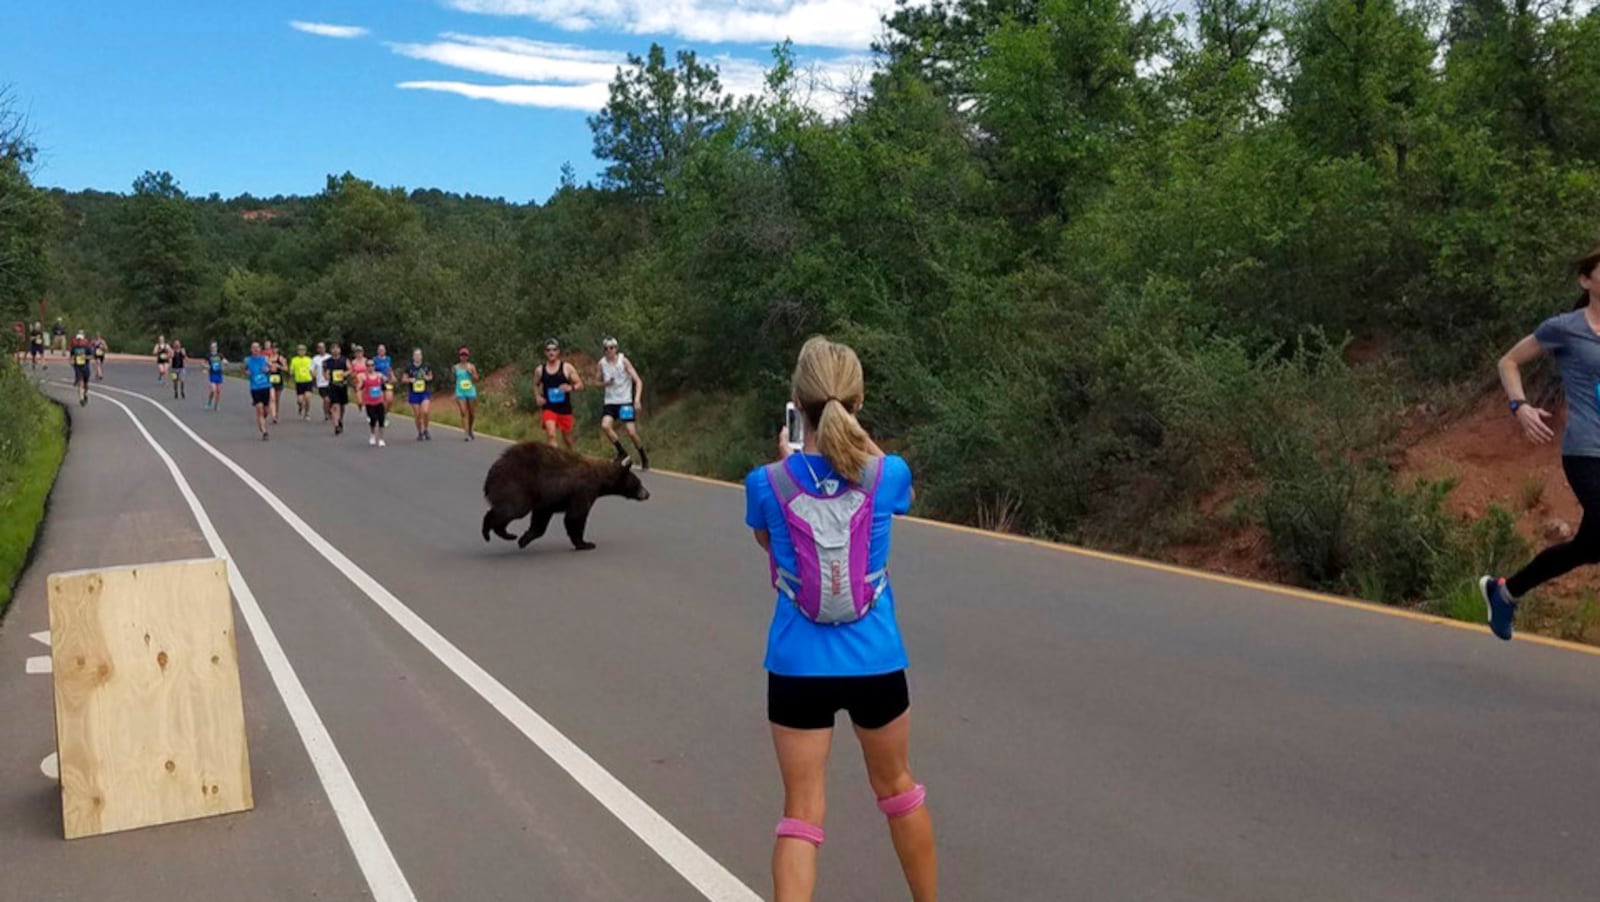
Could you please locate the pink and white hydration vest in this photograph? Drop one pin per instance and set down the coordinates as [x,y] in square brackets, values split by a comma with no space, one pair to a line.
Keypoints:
[830,536]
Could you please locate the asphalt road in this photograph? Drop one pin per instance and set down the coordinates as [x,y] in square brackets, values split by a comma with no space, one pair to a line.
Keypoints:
[546,724]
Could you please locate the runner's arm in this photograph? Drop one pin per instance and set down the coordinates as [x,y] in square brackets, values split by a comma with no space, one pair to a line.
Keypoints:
[576,380]
[1532,418]
[638,385]
[764,539]
[1521,354]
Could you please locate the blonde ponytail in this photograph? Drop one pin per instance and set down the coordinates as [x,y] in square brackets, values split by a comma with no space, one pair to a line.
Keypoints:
[828,388]
[843,442]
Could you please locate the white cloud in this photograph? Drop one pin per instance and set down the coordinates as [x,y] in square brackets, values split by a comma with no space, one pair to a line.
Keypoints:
[518,58]
[325,30]
[566,76]
[851,24]
[589,97]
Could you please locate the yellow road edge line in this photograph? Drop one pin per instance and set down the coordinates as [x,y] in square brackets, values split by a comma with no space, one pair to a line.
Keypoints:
[1206,576]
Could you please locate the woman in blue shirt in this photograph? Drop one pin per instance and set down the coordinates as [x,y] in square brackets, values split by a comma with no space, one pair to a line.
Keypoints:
[822,658]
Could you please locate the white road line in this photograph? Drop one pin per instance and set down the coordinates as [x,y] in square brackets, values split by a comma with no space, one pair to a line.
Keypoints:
[703,872]
[51,766]
[40,664]
[42,637]
[372,853]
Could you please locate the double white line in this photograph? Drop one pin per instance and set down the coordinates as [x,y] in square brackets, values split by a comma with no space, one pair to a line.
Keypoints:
[377,862]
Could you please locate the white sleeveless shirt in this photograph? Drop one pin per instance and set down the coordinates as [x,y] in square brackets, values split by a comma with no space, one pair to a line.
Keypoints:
[619,388]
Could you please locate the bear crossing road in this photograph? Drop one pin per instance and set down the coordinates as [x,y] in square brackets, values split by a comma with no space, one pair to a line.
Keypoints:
[539,480]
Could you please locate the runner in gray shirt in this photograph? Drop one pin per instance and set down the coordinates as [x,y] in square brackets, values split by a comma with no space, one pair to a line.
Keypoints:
[1573,341]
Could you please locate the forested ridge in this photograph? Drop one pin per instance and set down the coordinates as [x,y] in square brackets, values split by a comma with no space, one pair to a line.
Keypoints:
[1105,265]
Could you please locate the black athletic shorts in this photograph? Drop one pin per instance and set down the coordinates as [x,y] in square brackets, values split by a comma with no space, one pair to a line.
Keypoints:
[80,373]
[339,394]
[262,396]
[322,390]
[810,703]
[614,411]
[375,414]
[302,388]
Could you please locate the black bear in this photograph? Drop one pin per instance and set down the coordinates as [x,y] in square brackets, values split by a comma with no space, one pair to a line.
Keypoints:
[535,478]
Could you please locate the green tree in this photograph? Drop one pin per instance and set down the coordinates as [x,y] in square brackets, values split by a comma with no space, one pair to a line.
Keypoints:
[658,112]
[160,253]
[354,217]
[1362,77]
[1060,92]
[26,217]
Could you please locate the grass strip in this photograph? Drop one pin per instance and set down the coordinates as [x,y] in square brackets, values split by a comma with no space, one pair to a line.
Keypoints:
[24,494]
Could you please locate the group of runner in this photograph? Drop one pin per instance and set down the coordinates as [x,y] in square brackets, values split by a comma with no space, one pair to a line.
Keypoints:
[558,378]
[372,384]
[38,344]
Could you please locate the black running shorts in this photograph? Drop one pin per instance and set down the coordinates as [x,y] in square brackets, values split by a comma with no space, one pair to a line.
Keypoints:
[262,396]
[810,703]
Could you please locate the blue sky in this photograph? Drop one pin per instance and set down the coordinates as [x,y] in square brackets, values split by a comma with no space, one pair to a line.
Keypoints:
[480,96]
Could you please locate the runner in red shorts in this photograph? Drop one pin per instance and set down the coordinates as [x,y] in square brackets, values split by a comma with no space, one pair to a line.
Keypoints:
[557,381]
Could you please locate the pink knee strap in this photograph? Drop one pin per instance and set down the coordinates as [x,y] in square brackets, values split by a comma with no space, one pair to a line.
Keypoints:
[794,828]
[904,803]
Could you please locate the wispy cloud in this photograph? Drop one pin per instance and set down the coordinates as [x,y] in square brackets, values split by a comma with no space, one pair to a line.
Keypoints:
[325,30]
[587,97]
[567,76]
[518,58]
[850,24]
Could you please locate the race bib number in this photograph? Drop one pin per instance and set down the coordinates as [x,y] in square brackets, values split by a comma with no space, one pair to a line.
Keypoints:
[375,394]
[555,395]
[100,353]
[419,386]
[216,366]
[338,377]
[80,360]
[465,385]
[626,413]
[275,379]
[175,374]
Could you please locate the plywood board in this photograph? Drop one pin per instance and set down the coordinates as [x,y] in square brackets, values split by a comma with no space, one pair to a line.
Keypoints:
[149,718]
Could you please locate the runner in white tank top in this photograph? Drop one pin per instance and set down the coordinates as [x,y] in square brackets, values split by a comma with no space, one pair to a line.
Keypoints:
[624,394]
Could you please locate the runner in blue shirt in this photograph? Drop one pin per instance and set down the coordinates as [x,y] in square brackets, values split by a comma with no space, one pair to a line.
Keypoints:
[834,642]
[214,362]
[260,370]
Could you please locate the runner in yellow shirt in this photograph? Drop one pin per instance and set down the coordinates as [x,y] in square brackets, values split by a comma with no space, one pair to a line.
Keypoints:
[304,381]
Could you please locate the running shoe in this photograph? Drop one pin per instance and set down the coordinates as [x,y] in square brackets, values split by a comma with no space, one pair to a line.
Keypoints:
[263,436]
[427,435]
[1502,608]
[372,440]
[382,443]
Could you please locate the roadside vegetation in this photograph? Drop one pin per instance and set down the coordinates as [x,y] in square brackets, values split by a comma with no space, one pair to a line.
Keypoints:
[33,440]
[1132,279]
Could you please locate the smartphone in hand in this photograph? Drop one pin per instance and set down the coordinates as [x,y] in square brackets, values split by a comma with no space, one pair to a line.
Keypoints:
[795,427]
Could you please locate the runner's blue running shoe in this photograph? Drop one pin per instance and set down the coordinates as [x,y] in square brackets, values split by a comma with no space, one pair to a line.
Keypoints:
[1502,608]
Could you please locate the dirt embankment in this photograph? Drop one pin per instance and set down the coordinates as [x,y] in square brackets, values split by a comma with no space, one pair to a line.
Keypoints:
[1492,463]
